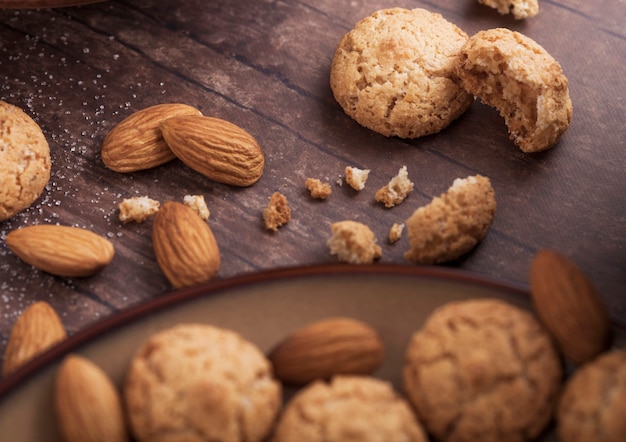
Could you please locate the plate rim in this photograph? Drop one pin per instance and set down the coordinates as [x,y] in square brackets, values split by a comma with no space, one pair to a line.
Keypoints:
[212,288]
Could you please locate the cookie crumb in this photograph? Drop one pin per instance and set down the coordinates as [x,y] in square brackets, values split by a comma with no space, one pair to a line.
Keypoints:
[356,177]
[318,189]
[395,232]
[396,190]
[198,204]
[137,209]
[277,213]
[353,242]
[519,8]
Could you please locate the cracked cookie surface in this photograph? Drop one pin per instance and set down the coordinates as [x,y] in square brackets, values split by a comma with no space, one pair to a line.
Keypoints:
[482,370]
[196,382]
[395,73]
[348,408]
[24,161]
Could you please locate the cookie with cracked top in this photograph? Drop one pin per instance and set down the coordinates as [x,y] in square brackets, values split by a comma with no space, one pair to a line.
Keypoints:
[395,72]
[482,369]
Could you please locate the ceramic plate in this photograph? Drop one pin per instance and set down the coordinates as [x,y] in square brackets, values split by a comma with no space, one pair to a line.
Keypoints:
[263,307]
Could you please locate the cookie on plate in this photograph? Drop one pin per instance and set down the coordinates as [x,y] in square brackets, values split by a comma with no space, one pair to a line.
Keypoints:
[593,404]
[197,382]
[24,161]
[483,370]
[513,73]
[348,408]
[395,72]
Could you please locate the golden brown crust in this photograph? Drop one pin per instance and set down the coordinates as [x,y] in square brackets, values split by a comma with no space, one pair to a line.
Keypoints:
[24,161]
[277,213]
[482,370]
[353,242]
[395,73]
[348,408]
[514,74]
[453,223]
[594,400]
[196,382]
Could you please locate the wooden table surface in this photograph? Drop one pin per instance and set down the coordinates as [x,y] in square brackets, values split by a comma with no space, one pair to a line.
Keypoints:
[264,65]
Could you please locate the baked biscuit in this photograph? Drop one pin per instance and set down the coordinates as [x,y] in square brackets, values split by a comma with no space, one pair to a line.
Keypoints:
[24,161]
[519,8]
[593,404]
[353,242]
[482,370]
[514,74]
[396,73]
[453,223]
[348,408]
[197,382]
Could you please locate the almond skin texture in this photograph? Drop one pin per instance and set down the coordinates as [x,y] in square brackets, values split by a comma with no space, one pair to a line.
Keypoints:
[569,306]
[136,142]
[61,250]
[216,148]
[37,329]
[184,245]
[326,348]
[87,404]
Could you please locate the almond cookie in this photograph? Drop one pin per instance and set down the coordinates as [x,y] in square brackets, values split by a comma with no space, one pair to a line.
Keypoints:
[519,8]
[453,223]
[593,404]
[24,161]
[514,74]
[348,408]
[197,382]
[396,73]
[482,370]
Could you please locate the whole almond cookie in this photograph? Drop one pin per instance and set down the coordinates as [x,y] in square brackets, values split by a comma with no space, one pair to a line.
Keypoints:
[513,73]
[198,382]
[395,72]
[482,370]
[593,403]
[24,161]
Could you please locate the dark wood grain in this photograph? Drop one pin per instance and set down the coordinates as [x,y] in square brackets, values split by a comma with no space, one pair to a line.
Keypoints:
[264,65]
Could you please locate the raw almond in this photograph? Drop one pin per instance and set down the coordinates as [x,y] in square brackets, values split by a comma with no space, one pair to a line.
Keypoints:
[136,142]
[37,329]
[326,348]
[87,404]
[218,149]
[184,245]
[569,306]
[61,250]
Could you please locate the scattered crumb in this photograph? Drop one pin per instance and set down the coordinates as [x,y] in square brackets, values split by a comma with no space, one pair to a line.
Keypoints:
[353,242]
[317,188]
[197,203]
[396,190]
[356,178]
[519,8]
[395,232]
[277,212]
[137,209]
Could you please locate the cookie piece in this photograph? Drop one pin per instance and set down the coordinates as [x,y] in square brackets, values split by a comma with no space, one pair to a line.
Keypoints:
[348,408]
[24,161]
[396,190]
[511,72]
[396,73]
[198,204]
[453,223]
[353,242]
[519,8]
[317,188]
[137,209]
[482,370]
[356,178]
[594,401]
[395,233]
[197,382]
[277,213]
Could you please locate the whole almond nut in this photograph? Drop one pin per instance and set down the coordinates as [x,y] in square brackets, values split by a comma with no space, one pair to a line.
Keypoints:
[61,250]
[218,149]
[136,143]
[569,306]
[87,404]
[326,348]
[184,245]
[37,329]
